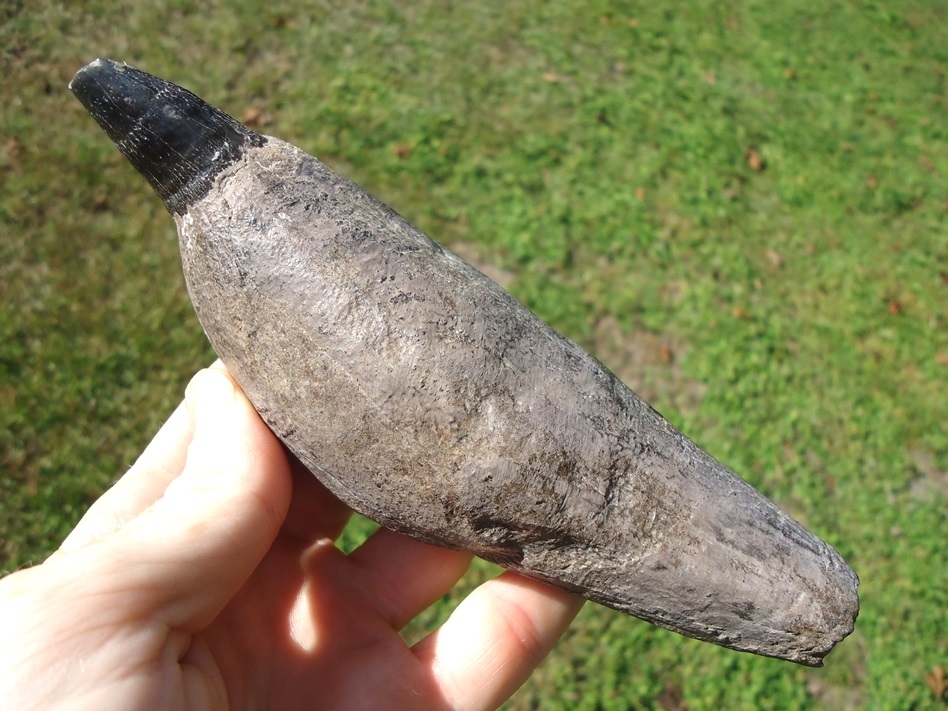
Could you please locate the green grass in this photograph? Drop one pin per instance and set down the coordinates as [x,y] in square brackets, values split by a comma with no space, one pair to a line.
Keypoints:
[792,320]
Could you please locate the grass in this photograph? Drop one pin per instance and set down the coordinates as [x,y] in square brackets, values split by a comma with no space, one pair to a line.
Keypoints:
[740,206]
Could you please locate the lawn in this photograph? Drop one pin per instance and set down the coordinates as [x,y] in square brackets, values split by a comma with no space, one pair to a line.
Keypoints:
[740,207]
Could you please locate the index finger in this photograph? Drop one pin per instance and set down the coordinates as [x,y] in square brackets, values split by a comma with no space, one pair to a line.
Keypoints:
[143,484]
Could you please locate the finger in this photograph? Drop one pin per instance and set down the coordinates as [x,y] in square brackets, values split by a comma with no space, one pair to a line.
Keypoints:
[143,484]
[402,576]
[196,545]
[495,638]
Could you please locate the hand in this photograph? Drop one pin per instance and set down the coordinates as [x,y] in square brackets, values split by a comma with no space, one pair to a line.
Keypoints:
[207,578]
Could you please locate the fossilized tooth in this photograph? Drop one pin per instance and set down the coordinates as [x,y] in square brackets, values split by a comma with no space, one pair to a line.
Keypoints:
[430,400]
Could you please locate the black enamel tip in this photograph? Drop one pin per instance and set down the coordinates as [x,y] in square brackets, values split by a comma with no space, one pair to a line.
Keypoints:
[176,140]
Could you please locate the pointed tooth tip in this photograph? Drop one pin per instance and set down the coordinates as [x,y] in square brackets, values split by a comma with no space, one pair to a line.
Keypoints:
[91,67]
[94,66]
[84,82]
[177,141]
[118,97]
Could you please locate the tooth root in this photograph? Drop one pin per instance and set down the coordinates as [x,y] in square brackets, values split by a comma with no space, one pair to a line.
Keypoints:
[430,400]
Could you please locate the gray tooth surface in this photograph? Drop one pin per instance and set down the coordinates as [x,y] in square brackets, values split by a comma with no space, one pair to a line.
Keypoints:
[430,400]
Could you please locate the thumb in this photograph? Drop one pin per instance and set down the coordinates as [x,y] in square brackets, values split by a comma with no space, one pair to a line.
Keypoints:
[190,551]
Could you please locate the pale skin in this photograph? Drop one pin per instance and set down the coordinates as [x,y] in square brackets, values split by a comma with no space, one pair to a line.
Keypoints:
[207,578]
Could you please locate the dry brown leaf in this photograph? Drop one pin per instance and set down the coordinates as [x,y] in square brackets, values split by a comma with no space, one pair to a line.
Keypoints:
[938,683]
[753,159]
[255,118]
[14,150]
[672,699]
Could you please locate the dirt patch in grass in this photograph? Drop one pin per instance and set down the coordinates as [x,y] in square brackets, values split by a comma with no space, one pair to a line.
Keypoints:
[649,364]
[932,482]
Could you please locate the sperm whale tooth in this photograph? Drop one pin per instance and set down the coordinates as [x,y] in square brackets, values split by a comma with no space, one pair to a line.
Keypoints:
[430,400]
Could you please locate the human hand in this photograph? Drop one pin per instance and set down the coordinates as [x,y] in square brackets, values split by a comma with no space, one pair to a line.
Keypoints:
[207,578]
